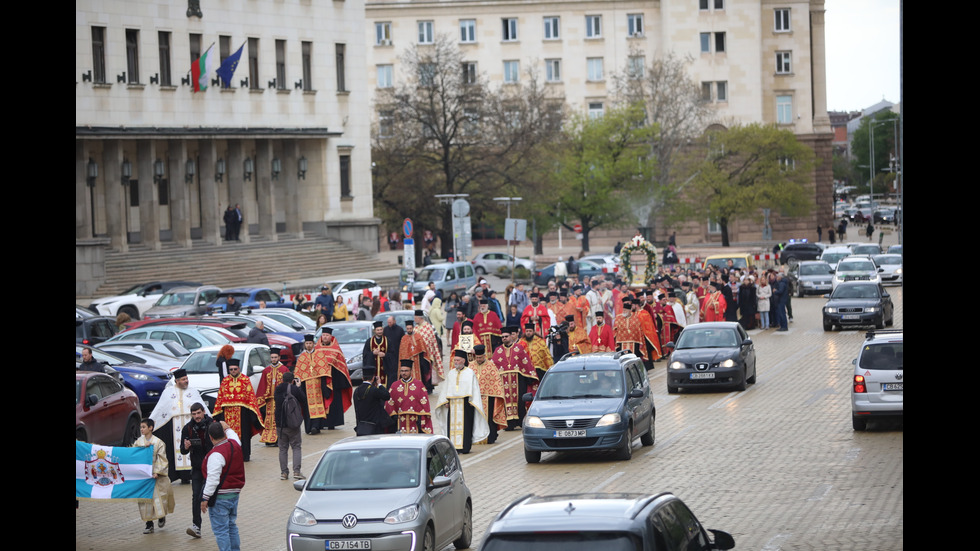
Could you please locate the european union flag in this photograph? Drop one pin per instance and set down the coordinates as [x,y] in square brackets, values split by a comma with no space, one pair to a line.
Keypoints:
[228,66]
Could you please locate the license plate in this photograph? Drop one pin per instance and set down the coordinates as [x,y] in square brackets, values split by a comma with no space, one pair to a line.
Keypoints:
[349,544]
[892,386]
[850,317]
[569,433]
[702,375]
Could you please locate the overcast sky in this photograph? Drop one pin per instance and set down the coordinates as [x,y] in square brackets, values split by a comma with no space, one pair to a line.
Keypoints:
[862,53]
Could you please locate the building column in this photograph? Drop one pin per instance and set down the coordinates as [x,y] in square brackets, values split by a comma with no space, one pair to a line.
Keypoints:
[263,186]
[149,204]
[236,183]
[83,194]
[290,184]
[818,55]
[180,204]
[115,195]
[212,211]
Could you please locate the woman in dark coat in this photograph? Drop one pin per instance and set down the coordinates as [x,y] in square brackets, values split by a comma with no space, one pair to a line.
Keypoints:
[748,303]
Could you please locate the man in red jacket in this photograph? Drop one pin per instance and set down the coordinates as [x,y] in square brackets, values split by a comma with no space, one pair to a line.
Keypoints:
[224,471]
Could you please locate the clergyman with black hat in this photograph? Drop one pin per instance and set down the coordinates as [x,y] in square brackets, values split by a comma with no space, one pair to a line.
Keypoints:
[170,414]
[379,357]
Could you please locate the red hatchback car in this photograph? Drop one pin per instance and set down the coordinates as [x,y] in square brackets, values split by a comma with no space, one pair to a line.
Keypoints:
[106,412]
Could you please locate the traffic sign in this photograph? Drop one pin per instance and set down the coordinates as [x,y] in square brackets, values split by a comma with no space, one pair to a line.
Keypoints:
[407,228]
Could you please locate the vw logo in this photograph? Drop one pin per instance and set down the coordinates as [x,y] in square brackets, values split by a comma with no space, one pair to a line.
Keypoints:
[349,520]
[899,376]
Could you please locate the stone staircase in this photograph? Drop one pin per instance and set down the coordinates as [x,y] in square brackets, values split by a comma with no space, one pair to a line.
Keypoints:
[260,262]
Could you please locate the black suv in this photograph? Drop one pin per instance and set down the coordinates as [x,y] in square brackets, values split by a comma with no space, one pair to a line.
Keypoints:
[611,522]
[795,252]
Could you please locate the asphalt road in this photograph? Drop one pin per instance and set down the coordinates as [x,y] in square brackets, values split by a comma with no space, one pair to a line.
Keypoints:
[777,466]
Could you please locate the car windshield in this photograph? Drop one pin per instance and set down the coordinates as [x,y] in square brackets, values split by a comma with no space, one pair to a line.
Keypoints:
[833,258]
[431,274]
[185,298]
[855,291]
[214,336]
[565,385]
[884,356]
[885,260]
[707,338]
[367,469]
[856,266]
[133,290]
[867,249]
[561,541]
[815,269]
[205,362]
[348,334]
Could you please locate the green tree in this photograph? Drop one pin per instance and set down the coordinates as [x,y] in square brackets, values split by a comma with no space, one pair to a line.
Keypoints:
[600,165]
[745,169]
[885,145]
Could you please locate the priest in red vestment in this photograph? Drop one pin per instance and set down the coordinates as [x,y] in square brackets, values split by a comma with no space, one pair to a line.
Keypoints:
[265,400]
[601,334]
[236,406]
[517,373]
[409,403]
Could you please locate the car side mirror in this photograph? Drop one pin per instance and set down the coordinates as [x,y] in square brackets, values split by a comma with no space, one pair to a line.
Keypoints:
[723,540]
[528,397]
[91,400]
[440,482]
[670,345]
[747,342]
[636,393]
[299,485]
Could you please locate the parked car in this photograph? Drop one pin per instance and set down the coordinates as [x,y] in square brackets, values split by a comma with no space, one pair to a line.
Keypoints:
[795,251]
[489,263]
[249,297]
[170,348]
[448,277]
[611,522]
[419,500]
[146,381]
[297,320]
[189,336]
[740,261]
[712,354]
[183,301]
[106,412]
[136,300]
[879,387]
[351,291]
[858,303]
[608,262]
[891,267]
[140,355]
[401,316]
[94,329]
[856,268]
[599,401]
[586,269]
[202,369]
[813,277]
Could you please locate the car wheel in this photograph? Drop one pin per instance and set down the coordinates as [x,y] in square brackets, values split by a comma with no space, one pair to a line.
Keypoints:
[751,380]
[648,438]
[467,536]
[429,539]
[625,452]
[827,326]
[532,457]
[672,389]
[859,423]
[130,311]
[890,322]
[132,432]
[480,270]
[880,323]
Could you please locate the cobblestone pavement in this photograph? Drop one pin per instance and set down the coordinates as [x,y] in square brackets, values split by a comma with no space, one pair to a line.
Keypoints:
[777,466]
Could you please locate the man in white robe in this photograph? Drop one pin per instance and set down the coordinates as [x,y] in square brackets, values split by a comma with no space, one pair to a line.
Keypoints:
[458,413]
[171,413]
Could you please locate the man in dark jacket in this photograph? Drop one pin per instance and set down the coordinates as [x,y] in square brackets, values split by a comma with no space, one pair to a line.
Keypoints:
[289,437]
[196,443]
[256,335]
[369,407]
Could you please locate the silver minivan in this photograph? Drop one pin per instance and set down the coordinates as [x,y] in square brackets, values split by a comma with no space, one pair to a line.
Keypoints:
[448,277]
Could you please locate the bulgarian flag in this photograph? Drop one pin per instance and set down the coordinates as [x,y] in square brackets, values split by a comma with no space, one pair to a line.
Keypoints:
[202,69]
[103,472]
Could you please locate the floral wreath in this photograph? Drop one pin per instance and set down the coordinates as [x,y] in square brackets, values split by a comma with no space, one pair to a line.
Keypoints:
[638,243]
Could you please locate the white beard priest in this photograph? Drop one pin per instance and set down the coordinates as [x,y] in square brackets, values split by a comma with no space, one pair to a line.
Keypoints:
[171,413]
[458,413]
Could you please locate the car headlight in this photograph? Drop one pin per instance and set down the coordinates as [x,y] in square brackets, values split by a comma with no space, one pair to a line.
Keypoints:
[871,309]
[898,271]
[405,514]
[830,310]
[533,422]
[840,278]
[302,518]
[807,283]
[139,376]
[609,419]
[727,363]
[676,365]
[355,359]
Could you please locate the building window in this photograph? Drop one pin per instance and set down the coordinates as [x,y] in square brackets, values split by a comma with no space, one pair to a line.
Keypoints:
[552,70]
[594,68]
[719,42]
[595,109]
[716,5]
[385,76]
[253,64]
[722,90]
[471,121]
[469,72]
[224,50]
[467,31]
[98,55]
[386,124]
[308,66]
[427,74]
[784,109]
[706,91]
[345,176]
[512,71]
[163,38]
[163,192]
[705,43]
[782,20]
[552,28]
[719,4]
[713,226]
[787,163]
[134,193]
[510,29]
[280,64]
[593,26]
[341,69]
[132,56]
[634,66]
[382,33]
[783,66]
[634,24]
[425,32]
